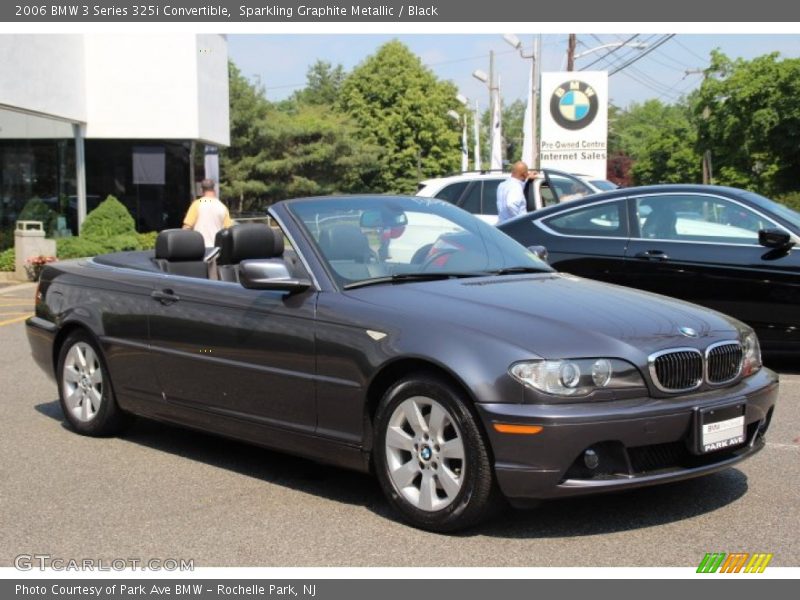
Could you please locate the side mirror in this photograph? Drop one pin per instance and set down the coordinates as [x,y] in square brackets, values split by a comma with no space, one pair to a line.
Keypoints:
[539,251]
[269,275]
[775,238]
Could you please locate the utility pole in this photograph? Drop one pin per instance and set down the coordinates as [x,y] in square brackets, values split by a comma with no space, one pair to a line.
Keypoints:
[571,52]
[708,171]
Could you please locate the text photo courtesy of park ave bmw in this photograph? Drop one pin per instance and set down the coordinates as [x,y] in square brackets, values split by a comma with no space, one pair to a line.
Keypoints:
[297,291]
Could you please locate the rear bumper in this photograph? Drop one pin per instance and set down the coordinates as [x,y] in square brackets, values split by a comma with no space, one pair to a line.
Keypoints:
[638,443]
[41,336]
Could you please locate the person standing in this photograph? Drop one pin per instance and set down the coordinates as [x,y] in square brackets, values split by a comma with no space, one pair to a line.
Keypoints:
[207,214]
[511,200]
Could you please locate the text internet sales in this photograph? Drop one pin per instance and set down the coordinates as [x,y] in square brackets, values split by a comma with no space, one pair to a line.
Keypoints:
[334,10]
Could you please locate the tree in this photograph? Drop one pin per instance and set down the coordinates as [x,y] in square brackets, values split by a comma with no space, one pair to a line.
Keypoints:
[401,107]
[324,82]
[660,141]
[748,116]
[312,151]
[239,177]
[290,149]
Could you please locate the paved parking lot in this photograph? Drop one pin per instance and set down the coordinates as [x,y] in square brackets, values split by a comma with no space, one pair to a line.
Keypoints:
[164,492]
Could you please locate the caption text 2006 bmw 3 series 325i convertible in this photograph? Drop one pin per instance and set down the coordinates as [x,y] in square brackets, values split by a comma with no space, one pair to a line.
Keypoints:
[405,337]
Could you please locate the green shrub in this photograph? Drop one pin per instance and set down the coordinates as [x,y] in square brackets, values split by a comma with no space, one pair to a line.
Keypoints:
[77,247]
[7,260]
[147,241]
[36,210]
[110,219]
[6,238]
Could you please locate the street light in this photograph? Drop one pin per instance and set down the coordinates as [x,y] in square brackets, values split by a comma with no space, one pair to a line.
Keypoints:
[516,43]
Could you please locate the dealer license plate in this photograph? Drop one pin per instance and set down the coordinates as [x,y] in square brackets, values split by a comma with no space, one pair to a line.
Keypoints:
[720,428]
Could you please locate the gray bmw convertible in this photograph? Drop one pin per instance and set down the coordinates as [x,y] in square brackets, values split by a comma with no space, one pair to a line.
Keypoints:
[405,337]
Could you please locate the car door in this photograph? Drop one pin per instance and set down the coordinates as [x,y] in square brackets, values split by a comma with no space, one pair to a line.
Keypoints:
[246,354]
[704,248]
[588,240]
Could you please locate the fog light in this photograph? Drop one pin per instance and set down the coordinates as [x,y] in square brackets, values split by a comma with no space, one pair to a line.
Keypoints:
[590,459]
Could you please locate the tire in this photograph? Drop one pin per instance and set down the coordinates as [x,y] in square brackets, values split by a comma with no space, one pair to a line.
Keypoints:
[84,388]
[443,482]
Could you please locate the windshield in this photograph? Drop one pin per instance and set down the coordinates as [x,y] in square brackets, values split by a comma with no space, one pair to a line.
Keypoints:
[408,239]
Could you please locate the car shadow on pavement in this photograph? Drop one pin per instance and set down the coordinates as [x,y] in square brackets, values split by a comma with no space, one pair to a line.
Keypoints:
[339,485]
[570,517]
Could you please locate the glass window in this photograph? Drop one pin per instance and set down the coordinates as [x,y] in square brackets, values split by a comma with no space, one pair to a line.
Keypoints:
[605,220]
[451,193]
[471,202]
[490,196]
[568,188]
[698,218]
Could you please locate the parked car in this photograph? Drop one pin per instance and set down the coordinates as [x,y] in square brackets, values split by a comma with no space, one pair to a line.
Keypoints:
[725,248]
[476,192]
[460,373]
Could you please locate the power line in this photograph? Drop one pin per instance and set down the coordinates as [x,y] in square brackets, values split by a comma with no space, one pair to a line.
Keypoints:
[692,52]
[643,54]
[611,51]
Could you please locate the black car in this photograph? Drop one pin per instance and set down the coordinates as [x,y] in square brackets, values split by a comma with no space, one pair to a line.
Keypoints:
[406,337]
[724,248]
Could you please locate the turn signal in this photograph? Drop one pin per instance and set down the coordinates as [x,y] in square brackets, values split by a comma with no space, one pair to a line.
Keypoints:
[525,429]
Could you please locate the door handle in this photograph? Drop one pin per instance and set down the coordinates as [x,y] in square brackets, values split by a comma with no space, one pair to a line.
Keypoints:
[164,296]
[655,255]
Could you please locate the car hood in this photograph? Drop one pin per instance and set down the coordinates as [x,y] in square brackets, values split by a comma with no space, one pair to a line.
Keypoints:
[554,315]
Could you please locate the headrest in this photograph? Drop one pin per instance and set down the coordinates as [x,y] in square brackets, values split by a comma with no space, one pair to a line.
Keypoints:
[248,240]
[180,245]
[345,242]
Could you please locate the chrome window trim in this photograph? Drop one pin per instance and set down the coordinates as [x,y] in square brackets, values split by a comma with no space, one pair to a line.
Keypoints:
[710,195]
[706,358]
[541,225]
[651,364]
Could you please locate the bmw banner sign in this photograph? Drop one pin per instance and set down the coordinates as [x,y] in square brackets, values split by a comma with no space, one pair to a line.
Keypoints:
[574,113]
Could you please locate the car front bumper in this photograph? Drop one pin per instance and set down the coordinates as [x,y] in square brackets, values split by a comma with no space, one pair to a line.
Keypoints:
[639,442]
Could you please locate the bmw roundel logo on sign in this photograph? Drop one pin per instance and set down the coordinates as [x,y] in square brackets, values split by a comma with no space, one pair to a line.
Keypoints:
[573,104]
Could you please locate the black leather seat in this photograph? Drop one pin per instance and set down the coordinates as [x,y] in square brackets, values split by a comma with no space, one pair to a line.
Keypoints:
[345,242]
[181,252]
[245,241]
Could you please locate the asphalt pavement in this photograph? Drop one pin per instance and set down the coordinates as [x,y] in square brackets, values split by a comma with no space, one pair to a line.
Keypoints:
[163,492]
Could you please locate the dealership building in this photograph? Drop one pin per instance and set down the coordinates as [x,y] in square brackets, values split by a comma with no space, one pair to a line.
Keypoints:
[91,115]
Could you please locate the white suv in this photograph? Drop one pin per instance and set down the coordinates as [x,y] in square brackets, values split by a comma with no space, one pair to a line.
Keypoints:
[476,192]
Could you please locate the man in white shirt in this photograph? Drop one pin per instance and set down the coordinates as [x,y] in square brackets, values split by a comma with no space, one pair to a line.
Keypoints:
[511,193]
[207,214]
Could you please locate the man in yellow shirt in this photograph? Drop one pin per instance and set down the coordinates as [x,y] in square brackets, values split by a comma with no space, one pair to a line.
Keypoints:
[207,214]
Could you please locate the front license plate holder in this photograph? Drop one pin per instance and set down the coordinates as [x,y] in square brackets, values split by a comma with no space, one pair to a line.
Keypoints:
[719,427]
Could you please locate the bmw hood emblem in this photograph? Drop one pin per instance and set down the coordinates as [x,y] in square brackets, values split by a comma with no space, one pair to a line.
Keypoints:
[688,332]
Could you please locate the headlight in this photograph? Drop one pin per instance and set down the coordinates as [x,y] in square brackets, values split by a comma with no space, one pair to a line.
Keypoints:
[752,354]
[576,377]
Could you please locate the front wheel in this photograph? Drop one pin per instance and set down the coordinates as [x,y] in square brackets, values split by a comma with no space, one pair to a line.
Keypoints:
[431,459]
[84,388]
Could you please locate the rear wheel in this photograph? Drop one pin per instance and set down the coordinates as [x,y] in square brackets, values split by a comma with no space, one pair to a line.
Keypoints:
[430,456]
[84,388]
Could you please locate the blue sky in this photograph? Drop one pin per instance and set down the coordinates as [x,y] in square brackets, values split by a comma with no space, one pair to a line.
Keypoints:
[281,61]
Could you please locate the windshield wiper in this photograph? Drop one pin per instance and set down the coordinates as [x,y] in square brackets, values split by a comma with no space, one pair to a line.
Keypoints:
[406,277]
[514,270]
